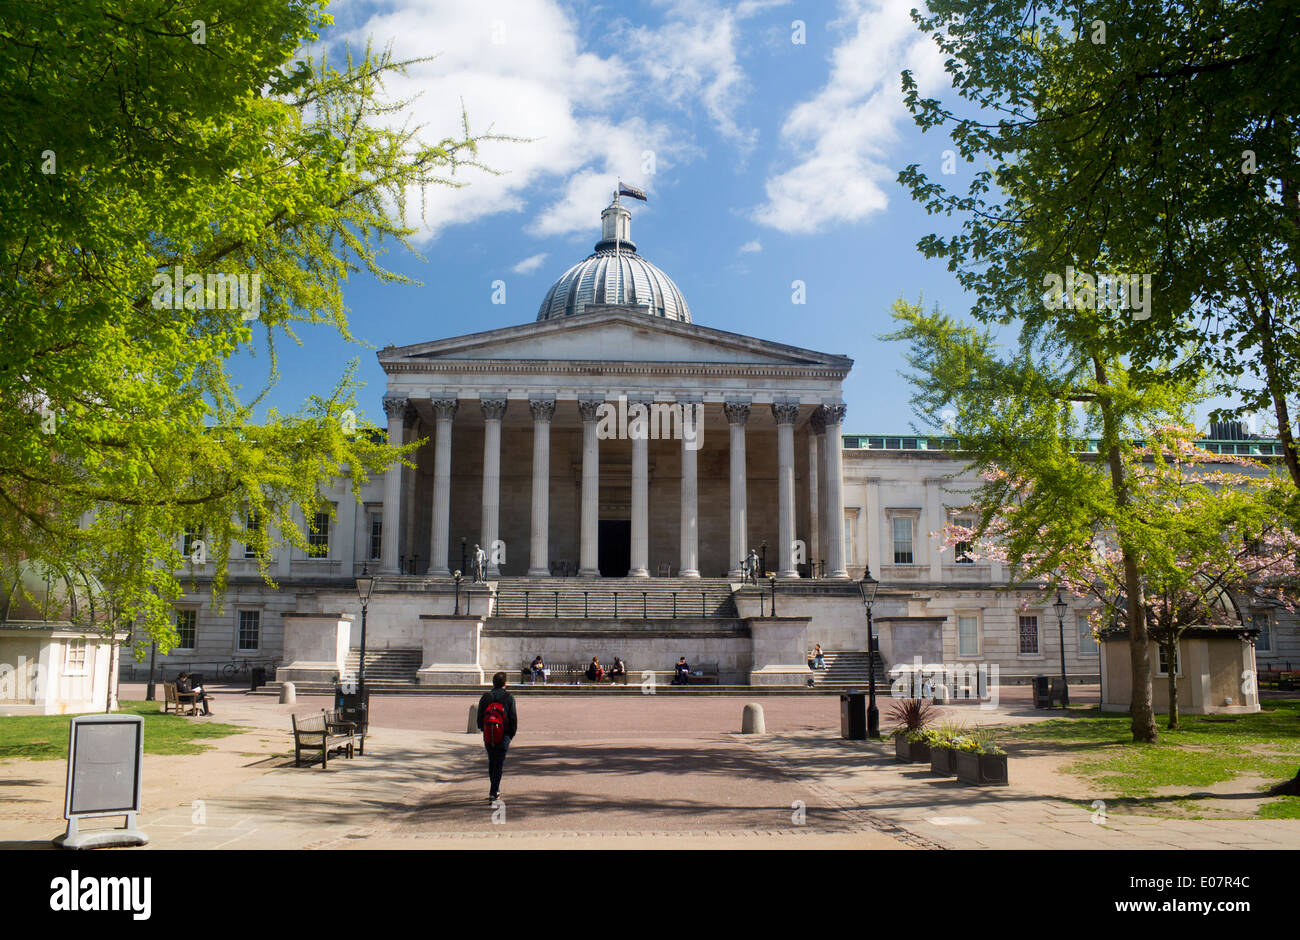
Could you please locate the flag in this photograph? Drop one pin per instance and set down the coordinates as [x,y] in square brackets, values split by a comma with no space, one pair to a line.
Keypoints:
[625,190]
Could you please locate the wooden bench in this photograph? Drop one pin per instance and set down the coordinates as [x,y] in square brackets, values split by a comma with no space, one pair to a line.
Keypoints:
[181,703]
[321,731]
[708,674]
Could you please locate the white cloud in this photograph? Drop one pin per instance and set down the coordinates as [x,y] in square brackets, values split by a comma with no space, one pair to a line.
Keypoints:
[522,70]
[530,264]
[840,137]
[749,246]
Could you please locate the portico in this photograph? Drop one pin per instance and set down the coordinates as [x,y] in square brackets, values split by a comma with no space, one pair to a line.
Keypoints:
[683,449]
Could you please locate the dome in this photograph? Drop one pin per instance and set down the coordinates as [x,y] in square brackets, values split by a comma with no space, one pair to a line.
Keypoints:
[615,274]
[37,593]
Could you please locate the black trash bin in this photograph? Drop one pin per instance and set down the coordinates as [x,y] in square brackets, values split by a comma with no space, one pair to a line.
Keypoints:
[1042,692]
[853,715]
[352,707]
[259,678]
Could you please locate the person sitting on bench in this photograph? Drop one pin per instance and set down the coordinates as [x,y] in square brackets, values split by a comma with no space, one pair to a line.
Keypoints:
[595,671]
[682,672]
[618,670]
[200,696]
[539,671]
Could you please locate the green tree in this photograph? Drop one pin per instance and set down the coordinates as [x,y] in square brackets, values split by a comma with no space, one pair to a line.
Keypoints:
[177,183]
[1140,138]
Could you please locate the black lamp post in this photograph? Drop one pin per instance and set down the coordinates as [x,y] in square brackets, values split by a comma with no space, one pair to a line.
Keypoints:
[1061,607]
[457,576]
[771,579]
[365,587]
[763,549]
[152,689]
[868,586]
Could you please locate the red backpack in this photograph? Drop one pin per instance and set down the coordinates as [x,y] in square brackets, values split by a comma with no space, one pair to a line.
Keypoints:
[494,723]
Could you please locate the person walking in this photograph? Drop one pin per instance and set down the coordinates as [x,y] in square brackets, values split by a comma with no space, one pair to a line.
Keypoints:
[499,723]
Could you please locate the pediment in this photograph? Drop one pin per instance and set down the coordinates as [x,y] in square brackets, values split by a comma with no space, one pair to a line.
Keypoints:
[612,334]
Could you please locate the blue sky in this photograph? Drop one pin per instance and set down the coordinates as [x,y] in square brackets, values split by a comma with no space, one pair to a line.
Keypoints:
[773,161]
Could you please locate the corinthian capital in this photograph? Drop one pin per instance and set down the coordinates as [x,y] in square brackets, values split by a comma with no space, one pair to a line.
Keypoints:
[543,409]
[737,412]
[444,408]
[785,412]
[834,414]
[589,410]
[395,406]
[494,409]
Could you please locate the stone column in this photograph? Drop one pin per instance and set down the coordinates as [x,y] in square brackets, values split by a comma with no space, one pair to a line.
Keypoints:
[689,565]
[395,407]
[444,410]
[589,555]
[638,429]
[494,409]
[814,503]
[785,414]
[539,565]
[817,436]
[834,417]
[737,414]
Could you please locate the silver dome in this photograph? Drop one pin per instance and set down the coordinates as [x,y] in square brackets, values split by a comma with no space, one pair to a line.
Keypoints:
[615,274]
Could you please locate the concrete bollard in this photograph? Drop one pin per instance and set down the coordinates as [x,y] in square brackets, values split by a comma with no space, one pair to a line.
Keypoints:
[288,693]
[751,722]
[473,720]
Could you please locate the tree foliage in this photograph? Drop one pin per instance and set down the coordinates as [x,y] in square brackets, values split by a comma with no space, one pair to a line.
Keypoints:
[150,155]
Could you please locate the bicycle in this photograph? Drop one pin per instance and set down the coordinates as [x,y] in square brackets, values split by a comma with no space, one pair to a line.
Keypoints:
[232,669]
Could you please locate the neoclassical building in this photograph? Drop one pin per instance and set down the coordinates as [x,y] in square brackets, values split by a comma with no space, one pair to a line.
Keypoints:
[618,461]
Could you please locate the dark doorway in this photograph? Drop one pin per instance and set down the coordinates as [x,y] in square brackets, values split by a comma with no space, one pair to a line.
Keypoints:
[615,547]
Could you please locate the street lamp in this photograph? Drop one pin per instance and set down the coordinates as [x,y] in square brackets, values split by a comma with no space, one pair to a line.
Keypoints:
[763,549]
[771,579]
[365,587]
[1061,607]
[868,586]
[456,575]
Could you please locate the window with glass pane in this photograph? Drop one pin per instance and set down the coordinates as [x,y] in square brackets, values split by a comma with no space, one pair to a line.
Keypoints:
[902,541]
[1263,642]
[1029,634]
[1163,668]
[192,536]
[318,537]
[968,637]
[376,535]
[1087,642]
[254,525]
[962,549]
[187,622]
[250,629]
[850,521]
[74,663]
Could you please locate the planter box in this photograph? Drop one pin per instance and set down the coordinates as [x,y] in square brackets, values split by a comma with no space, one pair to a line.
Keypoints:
[911,752]
[981,769]
[941,761]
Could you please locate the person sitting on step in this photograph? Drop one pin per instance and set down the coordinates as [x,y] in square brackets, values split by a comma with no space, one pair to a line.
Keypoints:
[818,661]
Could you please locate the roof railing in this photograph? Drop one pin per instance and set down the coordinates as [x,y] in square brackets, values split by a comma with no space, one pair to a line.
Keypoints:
[1262,447]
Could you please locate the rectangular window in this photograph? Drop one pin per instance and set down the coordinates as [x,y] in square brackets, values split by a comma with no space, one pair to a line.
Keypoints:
[962,549]
[376,535]
[193,536]
[1087,642]
[1163,669]
[1263,642]
[187,622]
[250,630]
[74,662]
[318,535]
[902,541]
[968,636]
[850,539]
[1029,635]
[254,524]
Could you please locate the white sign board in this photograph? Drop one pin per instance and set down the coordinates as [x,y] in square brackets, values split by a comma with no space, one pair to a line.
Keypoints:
[105,756]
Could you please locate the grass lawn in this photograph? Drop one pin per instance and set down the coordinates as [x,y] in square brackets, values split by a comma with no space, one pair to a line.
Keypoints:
[45,737]
[1206,750]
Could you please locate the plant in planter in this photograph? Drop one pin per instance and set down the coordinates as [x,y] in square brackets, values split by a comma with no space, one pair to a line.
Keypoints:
[980,761]
[911,739]
[942,747]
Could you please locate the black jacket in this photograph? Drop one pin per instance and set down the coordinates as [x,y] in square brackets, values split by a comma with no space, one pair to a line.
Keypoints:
[504,697]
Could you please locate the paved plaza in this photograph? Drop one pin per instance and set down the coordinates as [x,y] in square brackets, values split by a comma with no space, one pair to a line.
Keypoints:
[614,771]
